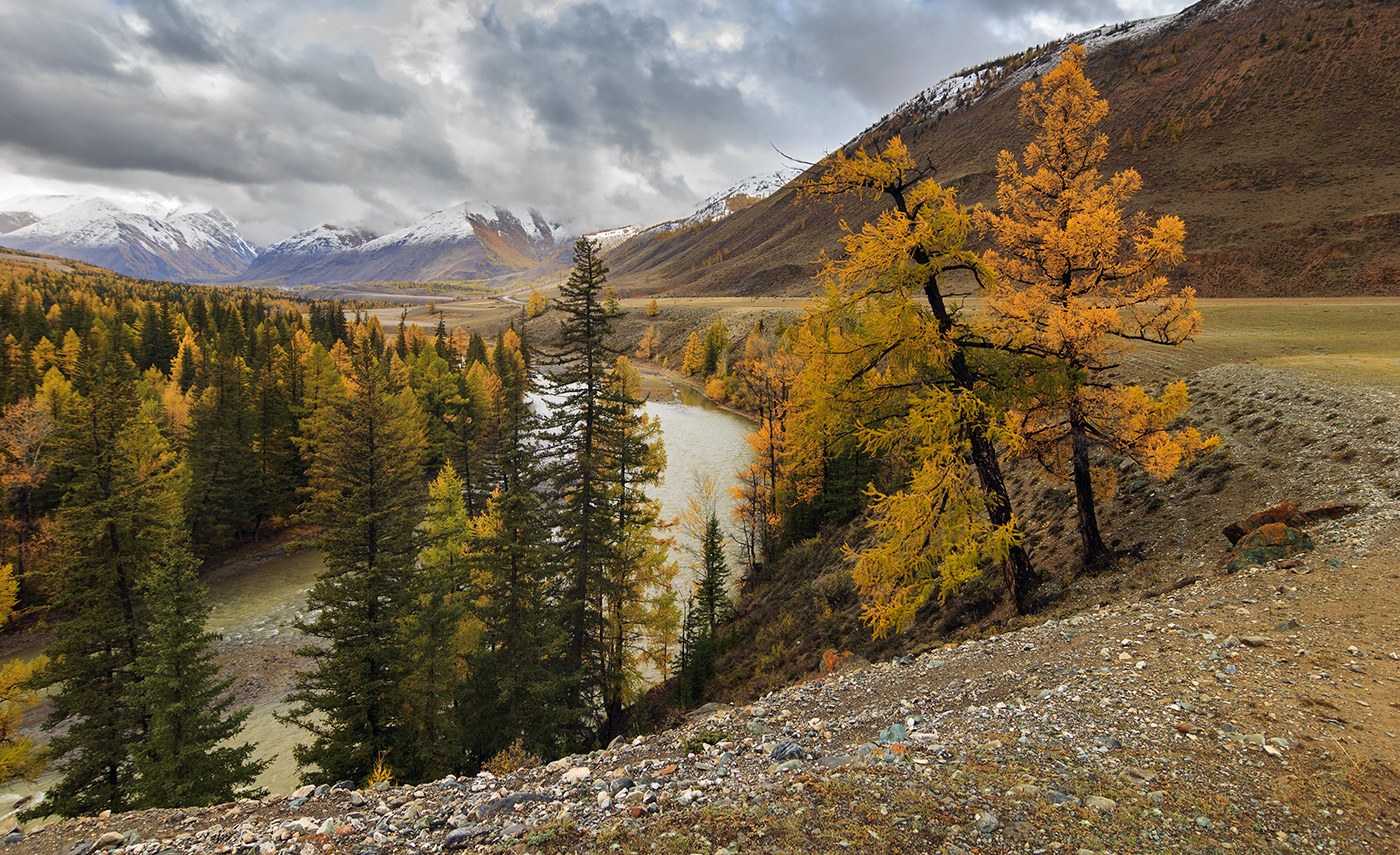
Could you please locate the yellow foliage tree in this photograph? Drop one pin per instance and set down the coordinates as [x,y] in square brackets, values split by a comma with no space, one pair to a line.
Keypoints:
[648,346]
[1077,284]
[537,304]
[694,361]
[653,308]
[18,755]
[890,366]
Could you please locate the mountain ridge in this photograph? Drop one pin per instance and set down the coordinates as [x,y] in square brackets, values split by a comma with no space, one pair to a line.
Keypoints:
[1264,125]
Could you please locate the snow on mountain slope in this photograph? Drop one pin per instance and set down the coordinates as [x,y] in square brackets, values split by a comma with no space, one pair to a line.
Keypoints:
[321,240]
[470,241]
[741,195]
[188,245]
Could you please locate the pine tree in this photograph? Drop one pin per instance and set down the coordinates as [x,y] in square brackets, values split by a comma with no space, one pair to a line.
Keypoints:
[185,757]
[435,638]
[19,756]
[895,377]
[362,456]
[103,532]
[606,451]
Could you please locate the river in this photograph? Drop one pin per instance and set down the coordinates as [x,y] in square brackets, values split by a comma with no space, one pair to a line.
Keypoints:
[254,610]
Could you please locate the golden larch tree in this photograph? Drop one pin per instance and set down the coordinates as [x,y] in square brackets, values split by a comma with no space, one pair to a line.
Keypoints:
[892,364]
[1077,284]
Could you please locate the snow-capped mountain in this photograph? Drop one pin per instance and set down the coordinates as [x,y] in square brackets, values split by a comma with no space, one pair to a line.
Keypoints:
[737,197]
[304,249]
[471,241]
[187,245]
[740,196]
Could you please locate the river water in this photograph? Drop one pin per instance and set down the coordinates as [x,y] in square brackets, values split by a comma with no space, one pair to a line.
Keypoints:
[254,610]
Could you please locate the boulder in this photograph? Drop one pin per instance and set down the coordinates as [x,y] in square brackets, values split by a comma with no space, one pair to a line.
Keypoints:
[1284,512]
[1288,514]
[1269,542]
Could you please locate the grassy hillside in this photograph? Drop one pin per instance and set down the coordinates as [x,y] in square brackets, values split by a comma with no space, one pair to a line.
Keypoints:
[1268,127]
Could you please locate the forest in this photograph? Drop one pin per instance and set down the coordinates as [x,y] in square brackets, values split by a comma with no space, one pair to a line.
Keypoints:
[498,583]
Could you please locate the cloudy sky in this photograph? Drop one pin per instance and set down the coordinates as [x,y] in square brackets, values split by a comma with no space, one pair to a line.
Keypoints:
[289,113]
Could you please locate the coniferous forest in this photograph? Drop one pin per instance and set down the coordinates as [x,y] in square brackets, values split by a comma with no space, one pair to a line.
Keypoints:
[493,577]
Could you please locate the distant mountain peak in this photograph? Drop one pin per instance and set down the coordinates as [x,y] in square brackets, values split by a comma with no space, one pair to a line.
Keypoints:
[188,244]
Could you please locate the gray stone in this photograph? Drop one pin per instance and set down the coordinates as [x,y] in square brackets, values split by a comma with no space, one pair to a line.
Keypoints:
[355,798]
[788,750]
[986,822]
[14,837]
[793,765]
[509,802]
[1255,641]
[1057,798]
[834,760]
[1287,626]
[109,840]
[1203,821]
[895,733]
[461,838]
[81,847]
[1100,803]
[616,785]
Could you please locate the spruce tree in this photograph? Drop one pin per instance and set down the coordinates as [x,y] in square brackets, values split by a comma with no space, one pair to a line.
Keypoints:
[605,452]
[104,546]
[362,453]
[185,757]
[515,682]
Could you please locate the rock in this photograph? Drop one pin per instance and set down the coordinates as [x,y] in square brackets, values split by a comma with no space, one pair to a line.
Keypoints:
[303,792]
[508,803]
[605,801]
[793,765]
[15,837]
[1284,513]
[1062,799]
[461,838]
[986,822]
[356,799]
[1099,803]
[109,840]
[1331,511]
[1269,542]
[575,775]
[1254,641]
[895,733]
[1287,626]
[788,750]
[81,847]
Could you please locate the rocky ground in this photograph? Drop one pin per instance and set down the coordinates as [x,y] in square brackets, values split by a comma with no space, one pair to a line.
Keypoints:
[1256,711]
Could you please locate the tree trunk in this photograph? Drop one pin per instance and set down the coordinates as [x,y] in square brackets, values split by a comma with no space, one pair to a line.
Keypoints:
[1097,556]
[1021,577]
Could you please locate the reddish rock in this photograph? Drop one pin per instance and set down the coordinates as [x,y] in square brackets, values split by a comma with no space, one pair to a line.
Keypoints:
[1269,542]
[1284,512]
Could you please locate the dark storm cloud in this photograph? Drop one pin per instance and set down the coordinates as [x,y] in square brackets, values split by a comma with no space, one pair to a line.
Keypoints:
[379,111]
[178,31]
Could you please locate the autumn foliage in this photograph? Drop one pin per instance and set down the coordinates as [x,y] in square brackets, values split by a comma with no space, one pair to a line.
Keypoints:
[1077,284]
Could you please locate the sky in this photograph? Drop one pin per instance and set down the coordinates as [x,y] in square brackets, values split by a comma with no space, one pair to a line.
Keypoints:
[286,114]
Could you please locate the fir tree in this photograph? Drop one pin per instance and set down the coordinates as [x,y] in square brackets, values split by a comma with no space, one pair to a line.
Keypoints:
[362,466]
[103,536]
[185,758]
